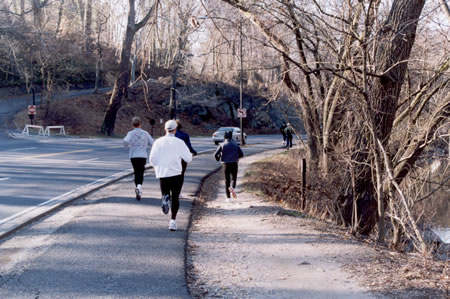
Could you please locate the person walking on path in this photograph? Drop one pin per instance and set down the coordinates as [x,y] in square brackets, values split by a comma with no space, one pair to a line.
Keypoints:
[165,157]
[289,133]
[185,137]
[139,143]
[228,153]
[282,129]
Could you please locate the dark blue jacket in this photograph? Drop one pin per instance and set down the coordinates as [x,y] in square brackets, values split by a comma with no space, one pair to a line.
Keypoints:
[228,152]
[185,137]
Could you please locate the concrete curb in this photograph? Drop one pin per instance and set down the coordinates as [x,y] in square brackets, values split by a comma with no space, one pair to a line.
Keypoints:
[17,221]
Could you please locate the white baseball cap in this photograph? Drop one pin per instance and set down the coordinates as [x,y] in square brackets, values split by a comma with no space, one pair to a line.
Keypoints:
[170,125]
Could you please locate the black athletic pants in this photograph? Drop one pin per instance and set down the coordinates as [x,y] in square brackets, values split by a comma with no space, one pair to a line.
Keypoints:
[172,186]
[183,168]
[230,171]
[139,169]
[289,141]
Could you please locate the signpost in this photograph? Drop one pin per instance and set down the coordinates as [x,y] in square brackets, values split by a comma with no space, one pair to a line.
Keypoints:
[242,112]
[152,123]
[31,112]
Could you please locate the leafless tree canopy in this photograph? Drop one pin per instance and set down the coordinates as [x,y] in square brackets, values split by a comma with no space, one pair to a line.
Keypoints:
[371,78]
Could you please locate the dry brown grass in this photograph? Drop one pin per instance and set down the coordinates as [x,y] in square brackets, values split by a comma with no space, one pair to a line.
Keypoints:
[279,179]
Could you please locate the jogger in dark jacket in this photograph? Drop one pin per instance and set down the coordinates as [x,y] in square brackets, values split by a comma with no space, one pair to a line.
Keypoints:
[228,153]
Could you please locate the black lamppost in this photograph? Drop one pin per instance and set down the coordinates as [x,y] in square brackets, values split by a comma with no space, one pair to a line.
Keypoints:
[173,96]
[241,81]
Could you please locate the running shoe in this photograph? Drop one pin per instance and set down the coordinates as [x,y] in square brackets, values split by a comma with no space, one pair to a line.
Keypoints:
[172,225]
[233,193]
[165,203]
[138,191]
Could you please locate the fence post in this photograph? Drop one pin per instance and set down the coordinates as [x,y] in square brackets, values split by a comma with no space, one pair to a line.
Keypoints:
[303,186]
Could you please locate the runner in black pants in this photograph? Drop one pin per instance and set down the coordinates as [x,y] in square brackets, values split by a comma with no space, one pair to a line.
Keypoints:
[228,153]
[230,171]
[139,142]
[139,169]
[165,157]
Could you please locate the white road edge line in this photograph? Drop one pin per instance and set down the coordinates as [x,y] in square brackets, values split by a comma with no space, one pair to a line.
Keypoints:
[88,160]
[60,196]
[22,149]
[4,179]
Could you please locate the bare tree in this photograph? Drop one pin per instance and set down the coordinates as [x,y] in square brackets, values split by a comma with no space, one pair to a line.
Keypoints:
[87,23]
[445,8]
[364,71]
[123,78]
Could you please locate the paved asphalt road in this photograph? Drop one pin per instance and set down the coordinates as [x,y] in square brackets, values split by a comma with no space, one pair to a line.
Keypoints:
[109,245]
[39,169]
[36,170]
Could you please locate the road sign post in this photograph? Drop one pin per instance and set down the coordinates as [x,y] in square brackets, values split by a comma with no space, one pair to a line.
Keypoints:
[152,123]
[31,112]
[242,112]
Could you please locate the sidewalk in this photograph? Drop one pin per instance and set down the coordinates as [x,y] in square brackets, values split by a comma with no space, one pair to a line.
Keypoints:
[249,248]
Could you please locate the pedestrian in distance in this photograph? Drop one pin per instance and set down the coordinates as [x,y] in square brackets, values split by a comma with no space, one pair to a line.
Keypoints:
[165,157]
[289,134]
[185,137]
[228,153]
[282,130]
[139,143]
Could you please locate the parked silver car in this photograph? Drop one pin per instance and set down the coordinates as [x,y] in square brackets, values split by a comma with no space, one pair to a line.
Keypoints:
[218,136]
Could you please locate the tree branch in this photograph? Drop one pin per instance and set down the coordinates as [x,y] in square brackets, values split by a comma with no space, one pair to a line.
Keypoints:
[445,8]
[412,153]
[147,16]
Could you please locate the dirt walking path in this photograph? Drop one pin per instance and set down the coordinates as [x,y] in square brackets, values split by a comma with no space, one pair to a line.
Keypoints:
[251,248]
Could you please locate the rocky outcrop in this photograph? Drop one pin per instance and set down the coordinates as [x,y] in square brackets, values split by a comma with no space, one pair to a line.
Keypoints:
[218,103]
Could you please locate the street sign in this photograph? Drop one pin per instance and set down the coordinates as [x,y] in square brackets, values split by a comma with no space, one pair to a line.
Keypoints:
[242,112]
[31,109]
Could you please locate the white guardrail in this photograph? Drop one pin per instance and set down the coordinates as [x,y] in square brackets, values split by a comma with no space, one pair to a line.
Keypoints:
[42,131]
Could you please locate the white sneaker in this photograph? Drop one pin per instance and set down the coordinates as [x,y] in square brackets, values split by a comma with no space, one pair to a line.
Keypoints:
[172,225]
[138,191]
[227,199]
[233,193]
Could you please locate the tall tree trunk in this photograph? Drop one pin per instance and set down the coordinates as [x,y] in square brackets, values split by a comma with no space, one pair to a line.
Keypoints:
[37,16]
[22,8]
[60,15]
[394,44]
[87,24]
[120,89]
[81,13]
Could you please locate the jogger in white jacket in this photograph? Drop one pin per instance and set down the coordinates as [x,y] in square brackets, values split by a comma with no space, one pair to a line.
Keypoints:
[165,157]
[140,143]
